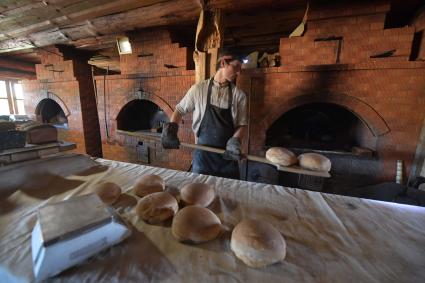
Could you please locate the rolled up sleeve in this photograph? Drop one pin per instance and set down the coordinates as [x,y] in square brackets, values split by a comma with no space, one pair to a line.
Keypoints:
[242,111]
[187,104]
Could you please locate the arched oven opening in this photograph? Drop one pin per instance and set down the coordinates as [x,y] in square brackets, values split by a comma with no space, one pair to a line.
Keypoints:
[147,119]
[335,132]
[141,116]
[321,127]
[49,111]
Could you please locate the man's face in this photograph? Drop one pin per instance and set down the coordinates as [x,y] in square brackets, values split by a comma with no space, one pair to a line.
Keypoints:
[231,69]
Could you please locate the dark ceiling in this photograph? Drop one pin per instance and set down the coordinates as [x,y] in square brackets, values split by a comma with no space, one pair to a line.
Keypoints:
[93,25]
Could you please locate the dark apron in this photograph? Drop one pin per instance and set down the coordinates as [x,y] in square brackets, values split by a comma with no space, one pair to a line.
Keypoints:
[215,130]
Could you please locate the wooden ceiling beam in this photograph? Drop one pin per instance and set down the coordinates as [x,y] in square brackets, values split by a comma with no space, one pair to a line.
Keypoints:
[252,4]
[96,42]
[17,65]
[13,74]
[265,17]
[7,5]
[153,15]
[56,16]
[95,26]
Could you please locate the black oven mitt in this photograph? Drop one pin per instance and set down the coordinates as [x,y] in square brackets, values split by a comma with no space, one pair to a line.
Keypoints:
[169,136]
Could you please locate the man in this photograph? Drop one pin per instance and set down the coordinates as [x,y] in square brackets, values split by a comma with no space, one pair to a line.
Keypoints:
[219,118]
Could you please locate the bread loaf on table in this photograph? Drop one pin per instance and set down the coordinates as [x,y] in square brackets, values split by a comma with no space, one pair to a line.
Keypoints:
[38,133]
[281,156]
[257,243]
[108,192]
[195,224]
[149,184]
[157,207]
[314,161]
[197,194]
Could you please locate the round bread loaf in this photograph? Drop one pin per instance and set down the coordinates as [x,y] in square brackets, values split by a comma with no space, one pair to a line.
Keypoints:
[257,243]
[149,184]
[314,161]
[157,207]
[197,194]
[108,192]
[281,156]
[196,225]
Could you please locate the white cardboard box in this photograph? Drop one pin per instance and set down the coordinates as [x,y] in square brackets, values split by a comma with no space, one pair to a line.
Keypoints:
[68,232]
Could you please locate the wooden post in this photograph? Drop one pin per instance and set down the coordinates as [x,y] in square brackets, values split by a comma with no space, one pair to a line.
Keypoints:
[200,65]
[212,60]
[209,38]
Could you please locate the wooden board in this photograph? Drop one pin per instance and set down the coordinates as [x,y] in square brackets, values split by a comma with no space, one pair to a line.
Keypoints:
[291,169]
[31,151]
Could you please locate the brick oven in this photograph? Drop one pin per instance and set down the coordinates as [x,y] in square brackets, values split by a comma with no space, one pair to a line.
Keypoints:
[351,88]
[153,79]
[347,88]
[63,95]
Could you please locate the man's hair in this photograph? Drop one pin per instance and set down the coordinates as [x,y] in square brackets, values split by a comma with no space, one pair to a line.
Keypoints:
[228,54]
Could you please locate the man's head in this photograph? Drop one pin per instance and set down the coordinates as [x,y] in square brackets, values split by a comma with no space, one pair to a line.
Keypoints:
[229,63]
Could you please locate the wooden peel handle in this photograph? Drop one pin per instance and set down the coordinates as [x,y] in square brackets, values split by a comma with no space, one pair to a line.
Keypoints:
[292,169]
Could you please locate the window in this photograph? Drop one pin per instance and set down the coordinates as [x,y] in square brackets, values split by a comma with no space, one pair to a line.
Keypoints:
[11,98]
[4,100]
[18,98]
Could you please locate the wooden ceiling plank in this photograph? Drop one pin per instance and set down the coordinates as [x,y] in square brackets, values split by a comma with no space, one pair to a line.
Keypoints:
[57,15]
[96,42]
[155,15]
[113,8]
[7,5]
[9,13]
[159,13]
[43,13]
[16,65]
[242,19]
[252,4]
[11,74]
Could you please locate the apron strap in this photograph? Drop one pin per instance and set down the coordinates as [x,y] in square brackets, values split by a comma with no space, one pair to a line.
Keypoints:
[209,93]
[230,100]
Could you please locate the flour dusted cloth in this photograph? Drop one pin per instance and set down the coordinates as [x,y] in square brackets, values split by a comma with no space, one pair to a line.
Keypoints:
[329,238]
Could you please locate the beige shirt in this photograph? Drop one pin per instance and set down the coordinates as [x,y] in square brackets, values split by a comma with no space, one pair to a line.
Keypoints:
[195,101]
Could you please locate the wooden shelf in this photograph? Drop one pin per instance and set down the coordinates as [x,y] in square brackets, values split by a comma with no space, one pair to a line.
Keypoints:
[33,151]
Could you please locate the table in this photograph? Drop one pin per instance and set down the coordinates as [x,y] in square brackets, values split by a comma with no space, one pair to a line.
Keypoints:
[329,238]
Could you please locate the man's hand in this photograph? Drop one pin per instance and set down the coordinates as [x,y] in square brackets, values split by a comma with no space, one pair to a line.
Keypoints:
[169,137]
[233,146]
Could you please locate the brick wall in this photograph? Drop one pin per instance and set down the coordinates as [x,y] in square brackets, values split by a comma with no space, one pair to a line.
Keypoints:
[152,52]
[165,87]
[65,77]
[387,94]
[358,31]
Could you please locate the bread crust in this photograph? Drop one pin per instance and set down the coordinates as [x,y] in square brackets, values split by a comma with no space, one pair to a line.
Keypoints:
[257,243]
[149,184]
[197,194]
[314,161]
[281,156]
[157,207]
[195,224]
[108,192]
